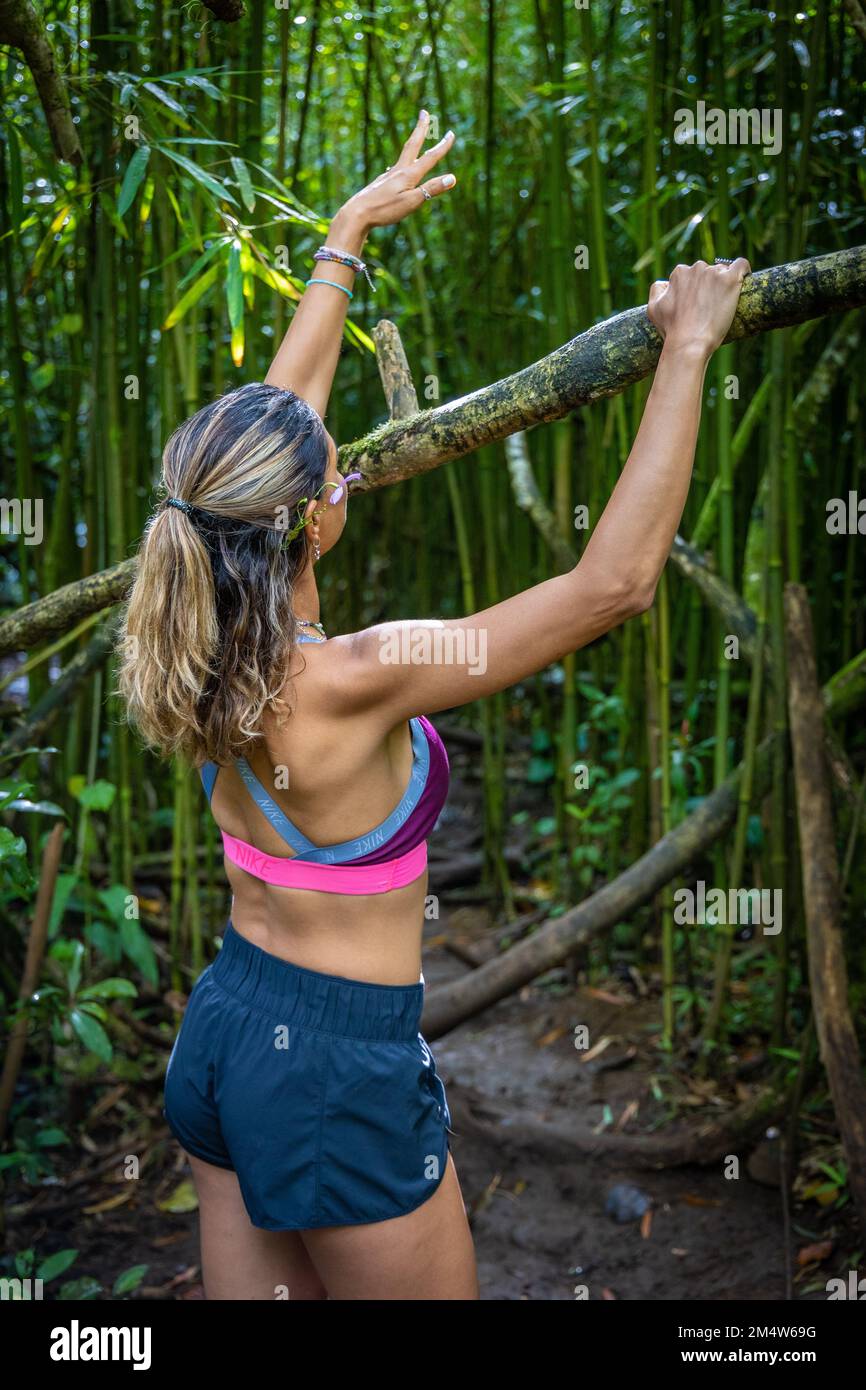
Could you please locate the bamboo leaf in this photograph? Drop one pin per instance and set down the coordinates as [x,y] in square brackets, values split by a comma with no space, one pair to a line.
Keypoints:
[213,186]
[132,179]
[48,243]
[292,213]
[242,174]
[146,200]
[238,345]
[175,205]
[202,83]
[192,296]
[359,336]
[163,96]
[277,280]
[202,260]
[234,286]
[109,207]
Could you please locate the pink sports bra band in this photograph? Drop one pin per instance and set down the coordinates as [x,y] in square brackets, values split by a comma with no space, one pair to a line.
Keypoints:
[327,878]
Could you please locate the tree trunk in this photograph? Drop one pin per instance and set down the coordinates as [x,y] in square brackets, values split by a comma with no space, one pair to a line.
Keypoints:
[828,975]
[21,27]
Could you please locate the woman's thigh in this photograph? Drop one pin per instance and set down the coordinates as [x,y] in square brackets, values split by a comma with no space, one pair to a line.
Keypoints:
[428,1253]
[238,1260]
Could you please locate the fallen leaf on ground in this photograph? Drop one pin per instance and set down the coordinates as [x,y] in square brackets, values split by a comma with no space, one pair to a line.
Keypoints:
[817,1252]
[110,1203]
[606,997]
[551,1037]
[182,1199]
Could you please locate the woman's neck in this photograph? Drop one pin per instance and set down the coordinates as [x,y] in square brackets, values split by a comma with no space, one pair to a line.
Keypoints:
[306,596]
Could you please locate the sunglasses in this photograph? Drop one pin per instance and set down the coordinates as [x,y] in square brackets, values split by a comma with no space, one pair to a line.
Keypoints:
[336,496]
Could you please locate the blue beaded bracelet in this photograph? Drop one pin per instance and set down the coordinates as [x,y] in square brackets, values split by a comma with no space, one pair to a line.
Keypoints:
[317,281]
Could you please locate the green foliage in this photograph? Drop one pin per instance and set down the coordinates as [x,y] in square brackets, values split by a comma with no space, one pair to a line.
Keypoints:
[162,273]
[29,1265]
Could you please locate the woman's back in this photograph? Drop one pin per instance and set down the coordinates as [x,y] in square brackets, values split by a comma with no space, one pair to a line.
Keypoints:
[335,777]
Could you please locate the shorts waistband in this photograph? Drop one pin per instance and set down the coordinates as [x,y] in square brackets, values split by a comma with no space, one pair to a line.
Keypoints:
[309,999]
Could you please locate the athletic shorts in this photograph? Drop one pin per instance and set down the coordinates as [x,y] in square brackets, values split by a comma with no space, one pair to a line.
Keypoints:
[319,1092]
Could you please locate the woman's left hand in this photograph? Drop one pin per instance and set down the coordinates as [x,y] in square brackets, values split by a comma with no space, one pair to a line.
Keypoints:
[398,191]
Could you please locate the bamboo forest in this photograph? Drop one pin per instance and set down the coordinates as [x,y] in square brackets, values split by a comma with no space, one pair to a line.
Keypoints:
[644,960]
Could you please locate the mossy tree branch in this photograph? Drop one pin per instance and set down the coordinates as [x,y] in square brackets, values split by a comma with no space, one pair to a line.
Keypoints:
[601,362]
[22,28]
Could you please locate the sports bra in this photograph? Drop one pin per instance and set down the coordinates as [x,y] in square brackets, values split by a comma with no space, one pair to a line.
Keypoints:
[390,855]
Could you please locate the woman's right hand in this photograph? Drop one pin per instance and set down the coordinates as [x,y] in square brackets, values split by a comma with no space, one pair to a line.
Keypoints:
[696,306]
[404,186]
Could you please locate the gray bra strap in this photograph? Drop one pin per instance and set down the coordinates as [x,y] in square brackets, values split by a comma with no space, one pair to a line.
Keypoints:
[362,844]
[208,772]
[278,819]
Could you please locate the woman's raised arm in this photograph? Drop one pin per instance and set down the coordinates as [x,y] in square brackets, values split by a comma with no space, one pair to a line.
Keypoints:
[418,667]
[307,357]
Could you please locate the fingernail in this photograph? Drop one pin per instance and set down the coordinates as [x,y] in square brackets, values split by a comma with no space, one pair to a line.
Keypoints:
[422,115]
[448,180]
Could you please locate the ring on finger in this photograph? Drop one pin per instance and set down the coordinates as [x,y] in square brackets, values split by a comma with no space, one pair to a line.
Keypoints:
[724,260]
[427,194]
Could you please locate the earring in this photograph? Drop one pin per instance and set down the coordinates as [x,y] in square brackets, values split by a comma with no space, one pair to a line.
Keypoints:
[317,550]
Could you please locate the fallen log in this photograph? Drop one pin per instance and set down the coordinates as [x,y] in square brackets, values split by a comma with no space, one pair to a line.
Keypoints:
[58,695]
[704,1143]
[558,939]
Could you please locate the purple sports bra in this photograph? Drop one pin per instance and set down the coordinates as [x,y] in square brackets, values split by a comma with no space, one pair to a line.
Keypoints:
[390,855]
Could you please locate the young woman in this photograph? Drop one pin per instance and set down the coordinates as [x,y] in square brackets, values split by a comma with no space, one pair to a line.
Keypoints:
[300,1086]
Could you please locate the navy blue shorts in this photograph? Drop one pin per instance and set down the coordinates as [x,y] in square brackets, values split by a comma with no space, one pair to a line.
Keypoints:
[319,1092]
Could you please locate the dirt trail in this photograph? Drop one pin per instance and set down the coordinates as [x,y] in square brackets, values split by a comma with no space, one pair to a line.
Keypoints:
[536,1222]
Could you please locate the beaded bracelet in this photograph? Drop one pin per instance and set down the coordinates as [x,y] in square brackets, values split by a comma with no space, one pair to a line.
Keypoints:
[330,253]
[316,281]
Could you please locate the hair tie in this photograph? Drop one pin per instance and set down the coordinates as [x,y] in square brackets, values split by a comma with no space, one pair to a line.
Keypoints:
[181,505]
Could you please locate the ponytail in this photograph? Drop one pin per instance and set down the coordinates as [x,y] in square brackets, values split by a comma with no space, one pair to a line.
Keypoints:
[208,627]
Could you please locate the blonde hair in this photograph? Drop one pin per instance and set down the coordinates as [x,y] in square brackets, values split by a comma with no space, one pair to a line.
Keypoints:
[208,626]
